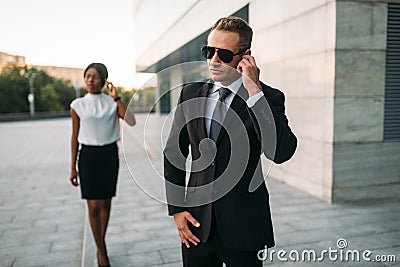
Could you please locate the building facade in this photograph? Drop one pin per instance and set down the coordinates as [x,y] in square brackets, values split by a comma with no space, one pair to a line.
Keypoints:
[6,58]
[338,63]
[75,75]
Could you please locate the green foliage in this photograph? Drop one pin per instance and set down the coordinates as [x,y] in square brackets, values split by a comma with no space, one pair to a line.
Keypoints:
[51,93]
[48,99]
[14,90]
[54,94]
[125,95]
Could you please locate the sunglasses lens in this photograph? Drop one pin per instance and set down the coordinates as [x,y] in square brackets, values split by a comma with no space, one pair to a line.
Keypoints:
[208,52]
[225,55]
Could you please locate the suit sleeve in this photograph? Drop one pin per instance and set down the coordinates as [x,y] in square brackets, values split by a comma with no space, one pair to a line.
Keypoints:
[278,142]
[175,154]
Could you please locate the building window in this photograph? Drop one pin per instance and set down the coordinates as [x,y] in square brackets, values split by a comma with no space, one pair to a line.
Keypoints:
[391,130]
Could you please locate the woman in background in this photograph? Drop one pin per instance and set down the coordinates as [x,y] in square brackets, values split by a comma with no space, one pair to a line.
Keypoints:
[95,126]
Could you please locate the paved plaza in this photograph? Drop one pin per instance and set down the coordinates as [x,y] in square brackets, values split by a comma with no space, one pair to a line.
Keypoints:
[43,220]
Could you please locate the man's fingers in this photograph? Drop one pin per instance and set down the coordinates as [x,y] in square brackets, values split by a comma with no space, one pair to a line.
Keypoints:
[181,221]
[249,62]
[190,236]
[239,67]
[194,242]
[181,236]
[243,65]
[184,239]
[186,234]
[193,221]
[251,59]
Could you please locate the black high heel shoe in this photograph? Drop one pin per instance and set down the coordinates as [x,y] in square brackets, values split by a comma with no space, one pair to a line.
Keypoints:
[108,265]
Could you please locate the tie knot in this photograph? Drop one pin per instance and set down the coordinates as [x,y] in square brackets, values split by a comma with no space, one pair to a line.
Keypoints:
[223,93]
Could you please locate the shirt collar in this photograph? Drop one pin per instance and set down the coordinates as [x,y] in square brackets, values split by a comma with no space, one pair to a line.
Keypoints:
[233,87]
[89,95]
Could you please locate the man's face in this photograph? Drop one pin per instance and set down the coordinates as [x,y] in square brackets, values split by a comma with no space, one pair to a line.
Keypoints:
[221,71]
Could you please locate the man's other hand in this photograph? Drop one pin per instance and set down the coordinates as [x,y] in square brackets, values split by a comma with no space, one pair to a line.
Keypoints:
[181,222]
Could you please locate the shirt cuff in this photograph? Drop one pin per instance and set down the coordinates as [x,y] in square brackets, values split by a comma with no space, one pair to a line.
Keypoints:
[253,99]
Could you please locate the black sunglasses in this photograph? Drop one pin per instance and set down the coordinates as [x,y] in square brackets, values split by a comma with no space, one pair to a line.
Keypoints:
[224,54]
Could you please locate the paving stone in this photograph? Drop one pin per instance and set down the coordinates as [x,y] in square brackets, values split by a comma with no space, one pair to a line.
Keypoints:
[150,258]
[53,259]
[173,255]
[65,246]
[66,264]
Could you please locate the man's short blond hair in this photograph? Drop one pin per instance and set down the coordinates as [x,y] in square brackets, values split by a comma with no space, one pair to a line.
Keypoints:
[236,24]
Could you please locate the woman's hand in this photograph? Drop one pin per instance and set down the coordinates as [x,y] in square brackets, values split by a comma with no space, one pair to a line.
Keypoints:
[111,90]
[74,178]
[122,111]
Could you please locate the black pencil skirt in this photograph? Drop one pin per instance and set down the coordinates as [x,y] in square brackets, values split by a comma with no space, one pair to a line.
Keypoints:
[98,171]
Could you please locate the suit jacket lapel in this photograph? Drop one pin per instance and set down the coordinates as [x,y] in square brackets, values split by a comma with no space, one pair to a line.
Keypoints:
[201,106]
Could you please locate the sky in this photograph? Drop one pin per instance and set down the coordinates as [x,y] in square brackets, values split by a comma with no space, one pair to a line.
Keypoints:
[75,33]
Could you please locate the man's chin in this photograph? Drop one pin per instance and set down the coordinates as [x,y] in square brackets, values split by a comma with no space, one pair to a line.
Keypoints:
[224,78]
[217,78]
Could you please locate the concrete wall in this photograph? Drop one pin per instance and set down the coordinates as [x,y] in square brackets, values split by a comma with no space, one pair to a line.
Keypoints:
[294,45]
[363,165]
[329,59]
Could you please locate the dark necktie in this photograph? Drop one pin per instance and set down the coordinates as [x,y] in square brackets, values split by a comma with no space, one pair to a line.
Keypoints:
[219,113]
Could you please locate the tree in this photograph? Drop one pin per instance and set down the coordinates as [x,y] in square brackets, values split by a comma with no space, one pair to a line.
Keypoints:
[51,93]
[14,90]
[48,99]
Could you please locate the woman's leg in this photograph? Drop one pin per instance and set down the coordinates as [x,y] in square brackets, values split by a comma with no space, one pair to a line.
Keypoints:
[104,217]
[96,211]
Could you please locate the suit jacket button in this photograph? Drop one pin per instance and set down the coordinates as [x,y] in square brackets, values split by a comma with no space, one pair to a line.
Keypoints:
[213,163]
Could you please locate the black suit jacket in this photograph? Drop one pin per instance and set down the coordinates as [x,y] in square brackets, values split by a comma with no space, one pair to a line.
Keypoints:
[242,215]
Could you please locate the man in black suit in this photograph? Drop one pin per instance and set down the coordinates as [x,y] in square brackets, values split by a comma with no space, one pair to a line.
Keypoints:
[222,214]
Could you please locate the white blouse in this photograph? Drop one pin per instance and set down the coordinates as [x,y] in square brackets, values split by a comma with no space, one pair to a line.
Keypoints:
[99,123]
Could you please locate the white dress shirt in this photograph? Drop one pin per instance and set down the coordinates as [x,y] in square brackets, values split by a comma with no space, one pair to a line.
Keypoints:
[99,124]
[213,97]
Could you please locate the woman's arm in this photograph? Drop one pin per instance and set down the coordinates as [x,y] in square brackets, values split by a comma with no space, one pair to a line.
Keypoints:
[125,114]
[74,147]
[122,110]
